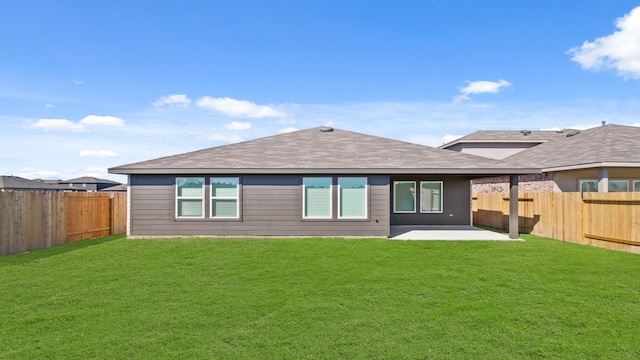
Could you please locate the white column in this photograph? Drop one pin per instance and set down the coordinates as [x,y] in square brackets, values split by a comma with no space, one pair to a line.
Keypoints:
[603,180]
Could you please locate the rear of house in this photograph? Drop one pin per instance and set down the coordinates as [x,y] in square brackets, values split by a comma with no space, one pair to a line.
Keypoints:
[315,182]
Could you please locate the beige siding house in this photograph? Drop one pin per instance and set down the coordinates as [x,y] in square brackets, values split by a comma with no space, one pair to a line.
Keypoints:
[605,158]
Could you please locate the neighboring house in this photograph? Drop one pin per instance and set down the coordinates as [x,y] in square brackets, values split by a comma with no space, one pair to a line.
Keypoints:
[87,183]
[115,188]
[15,183]
[502,144]
[315,182]
[605,158]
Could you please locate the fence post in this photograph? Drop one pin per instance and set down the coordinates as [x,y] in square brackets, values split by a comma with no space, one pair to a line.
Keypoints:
[513,207]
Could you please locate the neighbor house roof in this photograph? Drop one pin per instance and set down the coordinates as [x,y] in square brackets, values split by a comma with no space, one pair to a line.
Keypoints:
[89,180]
[603,146]
[507,136]
[18,183]
[323,150]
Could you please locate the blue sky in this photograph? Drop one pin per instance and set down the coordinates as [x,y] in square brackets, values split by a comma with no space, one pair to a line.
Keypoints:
[88,85]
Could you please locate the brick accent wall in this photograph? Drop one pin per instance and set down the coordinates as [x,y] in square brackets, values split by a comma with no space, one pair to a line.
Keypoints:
[535,183]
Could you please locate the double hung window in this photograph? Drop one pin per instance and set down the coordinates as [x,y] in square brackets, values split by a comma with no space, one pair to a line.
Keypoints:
[404,196]
[352,197]
[316,198]
[588,186]
[225,197]
[431,196]
[189,197]
[618,186]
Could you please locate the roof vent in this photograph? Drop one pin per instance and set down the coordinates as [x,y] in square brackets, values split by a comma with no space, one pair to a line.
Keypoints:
[525,132]
[326,129]
[573,133]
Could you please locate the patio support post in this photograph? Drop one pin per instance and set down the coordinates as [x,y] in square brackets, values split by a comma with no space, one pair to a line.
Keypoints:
[513,207]
[603,180]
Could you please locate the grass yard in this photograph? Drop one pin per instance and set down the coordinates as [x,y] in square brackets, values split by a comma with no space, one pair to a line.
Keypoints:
[113,298]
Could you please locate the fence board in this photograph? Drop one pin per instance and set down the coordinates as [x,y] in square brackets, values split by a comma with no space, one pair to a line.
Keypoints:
[33,220]
[610,220]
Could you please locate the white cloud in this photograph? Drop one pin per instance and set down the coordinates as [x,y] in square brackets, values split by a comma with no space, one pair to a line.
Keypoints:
[287,130]
[95,120]
[177,100]
[619,51]
[54,124]
[239,108]
[449,138]
[98,153]
[480,87]
[67,125]
[78,82]
[223,138]
[235,125]
[49,106]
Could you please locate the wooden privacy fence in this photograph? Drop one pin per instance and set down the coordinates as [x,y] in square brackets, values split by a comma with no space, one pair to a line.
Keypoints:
[32,220]
[610,220]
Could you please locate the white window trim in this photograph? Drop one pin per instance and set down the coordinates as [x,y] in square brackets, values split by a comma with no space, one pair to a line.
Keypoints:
[620,180]
[441,197]
[414,197]
[304,201]
[580,182]
[366,198]
[236,198]
[189,197]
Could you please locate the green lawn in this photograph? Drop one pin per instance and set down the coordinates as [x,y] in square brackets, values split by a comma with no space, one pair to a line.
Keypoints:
[113,298]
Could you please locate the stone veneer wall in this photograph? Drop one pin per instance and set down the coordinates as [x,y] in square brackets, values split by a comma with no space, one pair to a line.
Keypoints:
[535,183]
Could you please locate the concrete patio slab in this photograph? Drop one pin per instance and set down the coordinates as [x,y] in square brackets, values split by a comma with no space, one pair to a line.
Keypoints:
[453,232]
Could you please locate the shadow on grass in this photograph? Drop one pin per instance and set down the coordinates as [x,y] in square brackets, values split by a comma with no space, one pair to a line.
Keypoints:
[38,254]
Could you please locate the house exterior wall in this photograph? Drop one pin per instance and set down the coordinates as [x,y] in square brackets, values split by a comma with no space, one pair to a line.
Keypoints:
[534,183]
[494,150]
[569,181]
[562,181]
[271,206]
[456,195]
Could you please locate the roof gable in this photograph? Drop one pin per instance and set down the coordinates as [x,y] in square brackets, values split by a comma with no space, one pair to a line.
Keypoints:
[320,150]
[507,136]
[606,145]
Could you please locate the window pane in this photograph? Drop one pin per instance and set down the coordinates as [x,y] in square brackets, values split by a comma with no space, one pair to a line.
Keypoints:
[353,197]
[431,196]
[190,186]
[188,208]
[404,196]
[224,187]
[588,186]
[317,197]
[224,208]
[618,186]
[636,186]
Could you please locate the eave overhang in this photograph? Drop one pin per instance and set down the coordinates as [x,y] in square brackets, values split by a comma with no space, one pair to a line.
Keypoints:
[591,166]
[337,171]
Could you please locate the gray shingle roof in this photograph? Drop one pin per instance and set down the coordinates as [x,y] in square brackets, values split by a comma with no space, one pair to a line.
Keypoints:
[18,183]
[316,151]
[608,145]
[508,136]
[89,180]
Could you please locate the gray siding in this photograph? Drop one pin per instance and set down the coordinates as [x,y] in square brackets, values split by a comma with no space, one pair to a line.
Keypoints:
[271,206]
[456,197]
